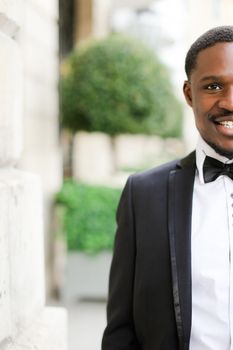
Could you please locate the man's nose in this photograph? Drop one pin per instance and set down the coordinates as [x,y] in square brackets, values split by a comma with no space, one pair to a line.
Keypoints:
[226,100]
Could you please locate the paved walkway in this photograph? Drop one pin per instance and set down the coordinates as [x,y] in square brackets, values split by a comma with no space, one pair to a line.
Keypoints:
[86,322]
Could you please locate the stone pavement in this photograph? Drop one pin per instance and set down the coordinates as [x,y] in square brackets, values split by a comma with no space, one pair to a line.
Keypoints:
[86,322]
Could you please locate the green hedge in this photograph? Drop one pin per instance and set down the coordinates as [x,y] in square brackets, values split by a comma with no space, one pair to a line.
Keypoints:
[118,85]
[89,216]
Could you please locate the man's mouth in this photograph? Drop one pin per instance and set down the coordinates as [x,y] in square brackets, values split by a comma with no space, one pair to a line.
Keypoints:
[224,120]
[226,123]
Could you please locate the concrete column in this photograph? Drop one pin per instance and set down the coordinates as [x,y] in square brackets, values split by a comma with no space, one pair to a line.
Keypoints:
[25,322]
[38,41]
[10,116]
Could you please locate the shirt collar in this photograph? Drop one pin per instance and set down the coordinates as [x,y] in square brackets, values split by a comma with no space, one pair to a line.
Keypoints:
[203,150]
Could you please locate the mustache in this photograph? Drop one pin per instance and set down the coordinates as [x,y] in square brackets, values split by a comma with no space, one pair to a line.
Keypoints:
[223,113]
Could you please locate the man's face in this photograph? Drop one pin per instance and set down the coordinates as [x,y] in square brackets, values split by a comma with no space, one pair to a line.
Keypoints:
[209,92]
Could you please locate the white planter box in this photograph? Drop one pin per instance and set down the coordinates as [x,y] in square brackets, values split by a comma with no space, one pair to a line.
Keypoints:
[87,148]
[86,276]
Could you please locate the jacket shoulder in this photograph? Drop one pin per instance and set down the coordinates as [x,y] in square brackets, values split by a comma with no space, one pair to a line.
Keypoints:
[159,175]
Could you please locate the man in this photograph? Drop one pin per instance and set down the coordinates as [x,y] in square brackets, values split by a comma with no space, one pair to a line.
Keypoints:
[171,280]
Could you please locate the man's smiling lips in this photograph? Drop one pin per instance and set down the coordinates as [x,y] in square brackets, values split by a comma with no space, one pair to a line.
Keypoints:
[222,120]
[227,124]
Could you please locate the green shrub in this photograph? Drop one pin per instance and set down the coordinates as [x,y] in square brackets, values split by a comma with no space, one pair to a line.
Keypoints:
[89,216]
[117,85]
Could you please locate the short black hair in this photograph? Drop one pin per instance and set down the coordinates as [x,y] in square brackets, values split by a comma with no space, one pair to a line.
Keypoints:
[208,39]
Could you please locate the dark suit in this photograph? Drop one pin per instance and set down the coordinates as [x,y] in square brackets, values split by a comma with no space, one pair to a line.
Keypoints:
[149,305]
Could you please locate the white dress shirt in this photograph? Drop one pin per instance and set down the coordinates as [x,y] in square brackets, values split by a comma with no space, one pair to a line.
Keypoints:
[212,248]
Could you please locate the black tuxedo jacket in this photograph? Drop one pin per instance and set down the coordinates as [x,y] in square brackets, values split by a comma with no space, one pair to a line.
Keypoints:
[149,306]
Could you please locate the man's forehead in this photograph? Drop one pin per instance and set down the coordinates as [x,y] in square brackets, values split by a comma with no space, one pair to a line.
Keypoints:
[212,60]
[216,50]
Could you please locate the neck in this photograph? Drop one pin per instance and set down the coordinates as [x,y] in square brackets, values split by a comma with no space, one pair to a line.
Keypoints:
[225,153]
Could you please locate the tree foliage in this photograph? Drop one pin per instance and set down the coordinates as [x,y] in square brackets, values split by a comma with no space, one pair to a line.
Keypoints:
[88,216]
[117,85]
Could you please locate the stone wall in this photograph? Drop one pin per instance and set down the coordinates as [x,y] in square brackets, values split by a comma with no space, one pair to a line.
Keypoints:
[101,159]
[38,40]
[25,322]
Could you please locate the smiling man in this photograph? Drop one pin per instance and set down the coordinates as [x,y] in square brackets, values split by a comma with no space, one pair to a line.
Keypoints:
[171,280]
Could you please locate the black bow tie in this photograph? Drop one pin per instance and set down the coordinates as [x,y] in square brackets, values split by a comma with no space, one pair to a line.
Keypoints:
[212,169]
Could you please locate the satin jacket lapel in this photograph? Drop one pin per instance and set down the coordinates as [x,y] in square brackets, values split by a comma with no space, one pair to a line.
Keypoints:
[180,194]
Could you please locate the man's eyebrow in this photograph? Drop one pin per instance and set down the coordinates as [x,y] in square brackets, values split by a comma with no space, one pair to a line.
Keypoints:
[210,77]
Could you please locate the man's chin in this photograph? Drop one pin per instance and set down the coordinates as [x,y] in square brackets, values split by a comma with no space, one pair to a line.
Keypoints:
[223,152]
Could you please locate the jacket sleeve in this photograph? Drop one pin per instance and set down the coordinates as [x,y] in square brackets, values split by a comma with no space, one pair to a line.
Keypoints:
[120,332]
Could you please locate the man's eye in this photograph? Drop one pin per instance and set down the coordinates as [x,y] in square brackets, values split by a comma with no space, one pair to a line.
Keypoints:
[213,86]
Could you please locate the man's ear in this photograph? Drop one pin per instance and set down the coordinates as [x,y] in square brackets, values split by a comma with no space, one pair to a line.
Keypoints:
[188,93]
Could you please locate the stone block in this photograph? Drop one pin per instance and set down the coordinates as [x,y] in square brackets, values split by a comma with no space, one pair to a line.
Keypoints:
[46,8]
[8,26]
[39,28]
[48,165]
[34,93]
[46,332]
[136,150]
[153,146]
[174,147]
[10,101]
[92,157]
[22,259]
[11,14]
[40,63]
[5,322]
[40,119]
[40,135]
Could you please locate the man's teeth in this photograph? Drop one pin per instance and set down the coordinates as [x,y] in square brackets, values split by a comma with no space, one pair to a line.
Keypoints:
[227,124]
